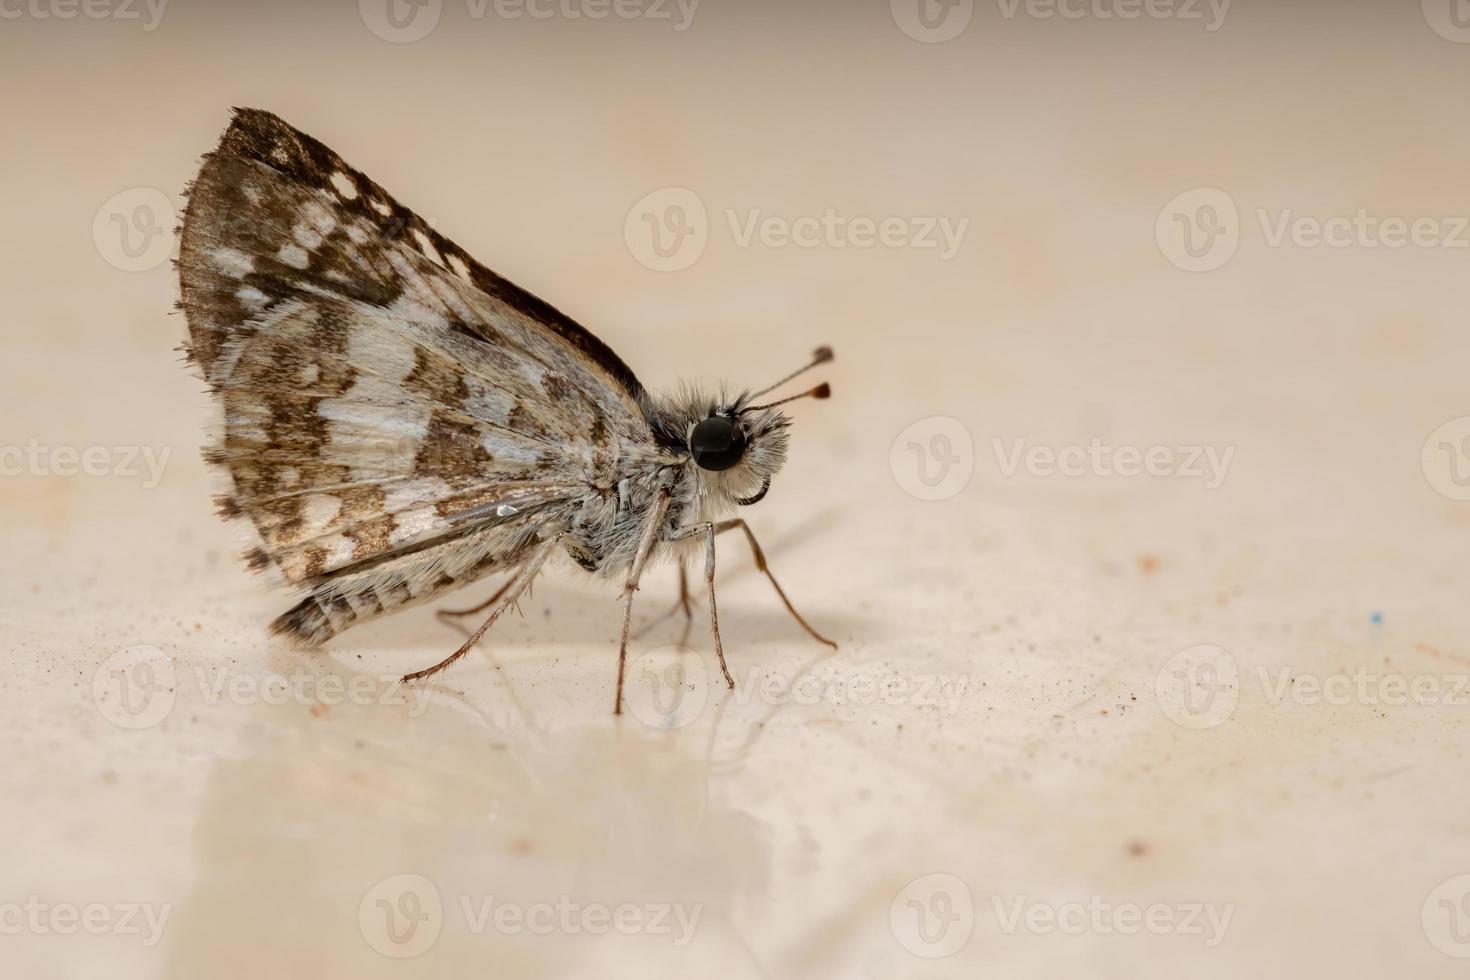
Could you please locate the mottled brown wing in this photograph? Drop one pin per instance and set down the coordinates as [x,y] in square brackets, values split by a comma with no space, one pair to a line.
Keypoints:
[397,419]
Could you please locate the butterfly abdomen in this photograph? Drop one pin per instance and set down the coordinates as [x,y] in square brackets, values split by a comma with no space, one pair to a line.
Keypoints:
[315,620]
[337,605]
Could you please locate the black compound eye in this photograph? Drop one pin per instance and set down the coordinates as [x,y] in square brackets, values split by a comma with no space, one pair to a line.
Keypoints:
[717,443]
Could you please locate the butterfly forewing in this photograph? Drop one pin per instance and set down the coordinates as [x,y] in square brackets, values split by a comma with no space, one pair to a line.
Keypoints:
[397,419]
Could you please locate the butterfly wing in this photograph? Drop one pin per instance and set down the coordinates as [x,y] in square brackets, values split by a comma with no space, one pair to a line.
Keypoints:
[397,419]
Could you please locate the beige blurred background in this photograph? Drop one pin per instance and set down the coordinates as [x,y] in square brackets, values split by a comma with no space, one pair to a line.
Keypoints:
[1205,720]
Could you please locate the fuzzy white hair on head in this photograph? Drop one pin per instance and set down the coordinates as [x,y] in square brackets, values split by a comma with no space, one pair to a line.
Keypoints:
[766,441]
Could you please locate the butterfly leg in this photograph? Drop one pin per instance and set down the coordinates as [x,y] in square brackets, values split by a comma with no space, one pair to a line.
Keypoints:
[708,529]
[447,614]
[760,564]
[682,604]
[646,541]
[513,591]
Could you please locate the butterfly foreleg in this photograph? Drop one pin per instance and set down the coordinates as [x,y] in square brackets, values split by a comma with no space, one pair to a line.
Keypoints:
[646,541]
[761,566]
[709,530]
[682,604]
[447,614]
[512,591]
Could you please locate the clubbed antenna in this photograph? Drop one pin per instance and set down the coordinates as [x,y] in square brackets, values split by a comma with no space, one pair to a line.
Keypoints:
[820,356]
[823,390]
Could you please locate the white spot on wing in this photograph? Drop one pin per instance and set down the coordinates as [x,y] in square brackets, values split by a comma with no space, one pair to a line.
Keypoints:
[373,431]
[233,263]
[319,217]
[305,236]
[504,447]
[338,548]
[386,353]
[421,491]
[252,299]
[372,440]
[344,185]
[410,524]
[427,247]
[294,256]
[532,371]
[460,267]
[317,511]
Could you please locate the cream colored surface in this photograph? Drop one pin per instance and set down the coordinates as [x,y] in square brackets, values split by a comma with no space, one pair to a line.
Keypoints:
[1050,605]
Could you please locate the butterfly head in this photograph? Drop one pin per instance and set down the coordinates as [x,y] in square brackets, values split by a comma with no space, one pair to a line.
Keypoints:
[739,446]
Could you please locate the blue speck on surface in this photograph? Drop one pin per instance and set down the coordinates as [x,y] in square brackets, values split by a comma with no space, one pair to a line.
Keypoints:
[1377,618]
